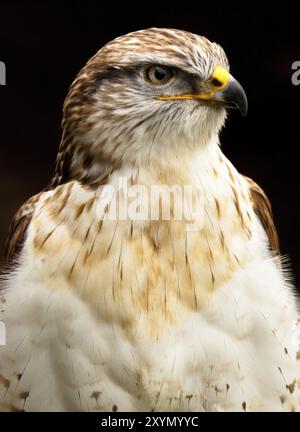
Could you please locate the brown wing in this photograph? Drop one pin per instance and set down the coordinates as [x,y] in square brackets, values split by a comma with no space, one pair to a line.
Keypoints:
[18,228]
[263,210]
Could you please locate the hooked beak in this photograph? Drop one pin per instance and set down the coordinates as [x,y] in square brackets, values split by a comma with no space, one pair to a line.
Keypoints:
[221,89]
[228,91]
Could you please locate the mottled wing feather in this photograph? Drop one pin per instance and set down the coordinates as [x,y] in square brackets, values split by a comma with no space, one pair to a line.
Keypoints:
[18,228]
[263,210]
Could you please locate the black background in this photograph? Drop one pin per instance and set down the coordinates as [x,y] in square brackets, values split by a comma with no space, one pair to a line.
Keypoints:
[45,44]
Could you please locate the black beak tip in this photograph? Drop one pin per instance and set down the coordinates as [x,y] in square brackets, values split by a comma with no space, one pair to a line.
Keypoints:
[242,102]
[238,95]
[235,96]
[244,109]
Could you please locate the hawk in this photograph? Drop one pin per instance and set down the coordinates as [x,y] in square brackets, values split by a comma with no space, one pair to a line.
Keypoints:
[132,314]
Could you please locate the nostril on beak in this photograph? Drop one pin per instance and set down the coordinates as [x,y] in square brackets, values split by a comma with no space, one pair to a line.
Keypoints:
[216,83]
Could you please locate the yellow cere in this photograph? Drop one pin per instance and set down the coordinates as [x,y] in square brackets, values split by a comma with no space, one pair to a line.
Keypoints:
[220,74]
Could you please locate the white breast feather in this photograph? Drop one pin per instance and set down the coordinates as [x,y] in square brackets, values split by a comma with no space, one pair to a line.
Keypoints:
[122,331]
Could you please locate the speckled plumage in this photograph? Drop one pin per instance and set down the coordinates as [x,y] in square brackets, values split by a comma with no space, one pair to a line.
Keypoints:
[147,315]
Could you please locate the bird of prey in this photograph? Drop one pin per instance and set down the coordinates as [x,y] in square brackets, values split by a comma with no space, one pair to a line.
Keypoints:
[190,313]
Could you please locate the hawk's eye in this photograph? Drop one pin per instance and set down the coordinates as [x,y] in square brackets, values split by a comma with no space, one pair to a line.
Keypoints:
[159,75]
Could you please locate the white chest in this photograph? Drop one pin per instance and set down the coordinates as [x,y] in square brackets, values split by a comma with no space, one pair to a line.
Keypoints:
[115,317]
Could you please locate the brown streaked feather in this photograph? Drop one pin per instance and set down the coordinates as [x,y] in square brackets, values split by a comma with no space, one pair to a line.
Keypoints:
[18,228]
[262,208]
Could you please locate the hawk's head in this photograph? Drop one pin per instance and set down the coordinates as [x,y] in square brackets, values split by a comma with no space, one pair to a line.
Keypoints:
[146,96]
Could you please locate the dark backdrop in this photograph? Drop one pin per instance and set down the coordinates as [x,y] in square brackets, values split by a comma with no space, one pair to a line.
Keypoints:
[45,44]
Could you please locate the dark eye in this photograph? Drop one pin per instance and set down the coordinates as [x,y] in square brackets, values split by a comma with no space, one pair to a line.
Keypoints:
[159,75]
